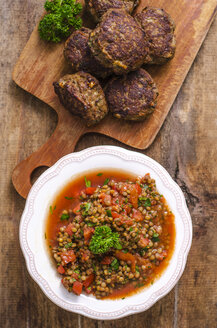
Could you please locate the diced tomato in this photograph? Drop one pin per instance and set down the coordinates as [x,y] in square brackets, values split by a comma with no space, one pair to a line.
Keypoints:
[68,229]
[88,232]
[85,255]
[141,261]
[90,190]
[117,200]
[76,209]
[124,187]
[68,256]
[115,215]
[143,242]
[89,280]
[74,275]
[162,256]
[106,199]
[122,220]
[106,260]
[127,257]
[137,215]
[61,269]
[134,196]
[77,287]
[128,209]
[138,188]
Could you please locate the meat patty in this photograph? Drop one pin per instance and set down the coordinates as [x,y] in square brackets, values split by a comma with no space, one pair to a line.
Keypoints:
[159,30]
[118,42]
[82,94]
[98,7]
[132,96]
[78,54]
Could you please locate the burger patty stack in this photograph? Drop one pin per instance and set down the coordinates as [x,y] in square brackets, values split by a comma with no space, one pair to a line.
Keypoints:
[116,52]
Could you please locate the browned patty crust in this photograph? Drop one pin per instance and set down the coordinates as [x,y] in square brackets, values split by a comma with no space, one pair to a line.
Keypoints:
[159,30]
[78,54]
[132,96]
[82,94]
[99,7]
[118,42]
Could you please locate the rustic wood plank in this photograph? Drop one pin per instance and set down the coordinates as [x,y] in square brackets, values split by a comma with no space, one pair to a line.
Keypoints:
[42,63]
[185,146]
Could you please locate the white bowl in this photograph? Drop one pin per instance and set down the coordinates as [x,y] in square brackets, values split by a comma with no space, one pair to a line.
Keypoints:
[32,231]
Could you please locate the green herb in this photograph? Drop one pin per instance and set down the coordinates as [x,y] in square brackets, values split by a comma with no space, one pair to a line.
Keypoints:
[91,224]
[52,209]
[99,174]
[144,187]
[94,267]
[115,264]
[77,271]
[137,268]
[117,201]
[140,284]
[61,17]
[50,246]
[85,209]
[123,298]
[155,237]
[45,236]
[147,203]
[87,182]
[109,213]
[68,245]
[68,197]
[125,251]
[64,217]
[106,182]
[126,200]
[103,240]
[152,282]
[131,229]
[144,201]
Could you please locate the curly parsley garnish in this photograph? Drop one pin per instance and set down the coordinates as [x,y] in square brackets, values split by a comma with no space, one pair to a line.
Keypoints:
[61,16]
[103,240]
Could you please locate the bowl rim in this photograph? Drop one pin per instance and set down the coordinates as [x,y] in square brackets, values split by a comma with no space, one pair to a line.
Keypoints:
[125,155]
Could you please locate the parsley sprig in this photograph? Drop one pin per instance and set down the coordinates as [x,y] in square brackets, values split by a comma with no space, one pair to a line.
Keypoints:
[61,16]
[103,240]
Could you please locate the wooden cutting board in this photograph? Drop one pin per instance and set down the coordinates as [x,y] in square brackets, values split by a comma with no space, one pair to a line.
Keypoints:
[41,63]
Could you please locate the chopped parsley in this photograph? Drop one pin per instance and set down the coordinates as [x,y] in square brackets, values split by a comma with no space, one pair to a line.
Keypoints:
[115,264]
[109,213]
[106,182]
[68,245]
[144,201]
[155,237]
[87,182]
[85,209]
[68,197]
[52,209]
[64,216]
[99,174]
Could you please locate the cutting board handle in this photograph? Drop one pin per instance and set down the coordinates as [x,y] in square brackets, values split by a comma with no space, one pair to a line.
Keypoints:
[57,146]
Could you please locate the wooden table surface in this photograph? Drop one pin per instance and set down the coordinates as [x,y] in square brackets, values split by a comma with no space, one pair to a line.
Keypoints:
[186,146]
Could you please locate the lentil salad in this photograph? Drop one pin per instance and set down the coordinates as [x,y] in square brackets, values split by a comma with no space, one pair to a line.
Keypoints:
[110,234]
